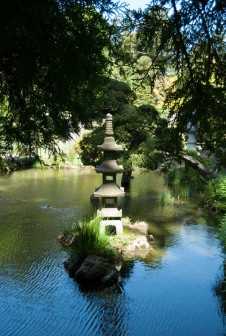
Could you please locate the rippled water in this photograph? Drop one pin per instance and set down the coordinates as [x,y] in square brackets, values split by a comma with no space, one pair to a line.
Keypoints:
[174,291]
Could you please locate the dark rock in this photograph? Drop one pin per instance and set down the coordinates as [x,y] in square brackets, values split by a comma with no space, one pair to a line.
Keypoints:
[72,267]
[65,240]
[151,239]
[137,227]
[93,268]
[110,279]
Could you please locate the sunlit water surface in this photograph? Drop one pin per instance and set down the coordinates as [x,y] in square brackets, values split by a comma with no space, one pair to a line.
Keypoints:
[173,292]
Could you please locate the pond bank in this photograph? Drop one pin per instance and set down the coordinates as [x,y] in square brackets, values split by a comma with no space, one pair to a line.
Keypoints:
[10,164]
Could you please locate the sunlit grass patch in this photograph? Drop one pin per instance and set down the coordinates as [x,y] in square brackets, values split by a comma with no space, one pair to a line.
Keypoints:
[88,240]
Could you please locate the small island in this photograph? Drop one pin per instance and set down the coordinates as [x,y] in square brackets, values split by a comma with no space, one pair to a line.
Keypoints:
[96,257]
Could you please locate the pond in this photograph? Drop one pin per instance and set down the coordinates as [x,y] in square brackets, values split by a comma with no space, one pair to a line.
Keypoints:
[174,291]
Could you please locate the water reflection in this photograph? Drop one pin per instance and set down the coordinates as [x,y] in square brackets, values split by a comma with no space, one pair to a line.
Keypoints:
[220,290]
[174,291]
[111,313]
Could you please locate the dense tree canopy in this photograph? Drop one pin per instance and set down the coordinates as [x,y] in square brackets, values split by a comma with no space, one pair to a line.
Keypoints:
[54,62]
[135,129]
[53,55]
[189,37]
[183,42]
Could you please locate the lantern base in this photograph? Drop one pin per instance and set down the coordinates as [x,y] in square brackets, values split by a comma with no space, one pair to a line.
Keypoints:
[117,223]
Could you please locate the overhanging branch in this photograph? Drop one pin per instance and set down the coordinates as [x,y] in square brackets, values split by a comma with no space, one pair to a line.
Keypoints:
[196,164]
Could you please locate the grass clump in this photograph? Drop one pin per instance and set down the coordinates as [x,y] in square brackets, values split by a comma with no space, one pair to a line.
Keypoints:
[88,240]
[173,177]
[165,199]
[122,240]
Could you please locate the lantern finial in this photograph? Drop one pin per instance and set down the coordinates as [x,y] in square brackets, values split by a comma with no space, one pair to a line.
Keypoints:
[109,127]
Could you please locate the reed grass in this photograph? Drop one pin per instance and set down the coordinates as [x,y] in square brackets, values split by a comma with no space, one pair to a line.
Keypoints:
[184,191]
[88,240]
[178,182]
[165,199]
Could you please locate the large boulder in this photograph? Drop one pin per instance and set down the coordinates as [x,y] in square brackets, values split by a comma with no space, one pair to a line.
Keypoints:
[138,243]
[110,279]
[140,227]
[139,247]
[93,268]
[96,269]
[72,266]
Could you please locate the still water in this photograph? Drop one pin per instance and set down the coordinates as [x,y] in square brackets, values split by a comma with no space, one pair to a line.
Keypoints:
[173,292]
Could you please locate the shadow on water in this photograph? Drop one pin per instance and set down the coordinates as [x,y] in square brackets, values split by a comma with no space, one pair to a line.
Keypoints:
[219,290]
[112,305]
[111,312]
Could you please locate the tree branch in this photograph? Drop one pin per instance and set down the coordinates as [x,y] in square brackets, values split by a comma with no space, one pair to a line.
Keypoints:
[195,164]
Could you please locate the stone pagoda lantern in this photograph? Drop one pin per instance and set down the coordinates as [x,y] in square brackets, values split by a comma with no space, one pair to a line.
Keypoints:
[109,191]
[192,137]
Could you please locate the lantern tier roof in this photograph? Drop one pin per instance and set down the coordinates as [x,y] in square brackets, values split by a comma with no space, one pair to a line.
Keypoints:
[109,190]
[109,144]
[109,212]
[109,166]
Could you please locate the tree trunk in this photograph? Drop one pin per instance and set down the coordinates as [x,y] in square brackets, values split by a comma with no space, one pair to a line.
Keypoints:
[126,179]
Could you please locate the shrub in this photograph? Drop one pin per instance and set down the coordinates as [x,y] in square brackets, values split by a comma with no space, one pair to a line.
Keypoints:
[216,194]
[222,231]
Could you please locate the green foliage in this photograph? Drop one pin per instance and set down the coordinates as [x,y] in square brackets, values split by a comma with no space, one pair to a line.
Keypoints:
[187,38]
[88,240]
[114,95]
[174,177]
[133,127]
[222,231]
[206,162]
[122,240]
[1,165]
[52,63]
[151,156]
[72,157]
[87,147]
[131,65]
[215,194]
